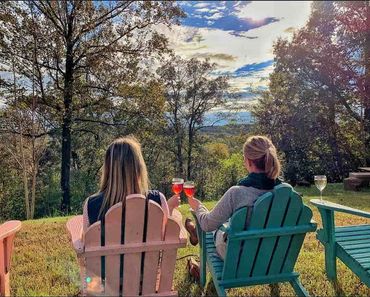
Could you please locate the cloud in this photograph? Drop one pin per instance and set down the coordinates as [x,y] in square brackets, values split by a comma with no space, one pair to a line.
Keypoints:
[219,56]
[238,34]
[289,30]
[195,37]
[205,9]
[215,16]
[201,4]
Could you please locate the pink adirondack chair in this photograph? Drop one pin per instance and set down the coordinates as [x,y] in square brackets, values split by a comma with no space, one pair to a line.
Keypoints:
[146,267]
[7,234]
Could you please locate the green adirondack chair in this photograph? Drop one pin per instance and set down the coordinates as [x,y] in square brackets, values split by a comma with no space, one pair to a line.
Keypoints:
[351,244]
[266,251]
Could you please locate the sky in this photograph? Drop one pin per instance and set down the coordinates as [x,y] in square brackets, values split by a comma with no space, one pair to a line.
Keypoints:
[238,36]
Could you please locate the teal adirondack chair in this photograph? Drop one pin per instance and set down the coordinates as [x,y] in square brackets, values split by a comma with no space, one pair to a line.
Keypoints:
[351,244]
[266,251]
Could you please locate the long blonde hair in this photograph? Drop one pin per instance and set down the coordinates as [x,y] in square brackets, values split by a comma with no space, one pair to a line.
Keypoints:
[124,172]
[262,152]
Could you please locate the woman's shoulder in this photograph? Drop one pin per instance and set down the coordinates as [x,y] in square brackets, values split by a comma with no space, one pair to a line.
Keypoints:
[238,192]
[238,189]
[155,195]
[95,198]
[94,201]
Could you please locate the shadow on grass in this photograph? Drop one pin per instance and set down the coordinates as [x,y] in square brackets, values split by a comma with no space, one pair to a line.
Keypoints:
[274,289]
[188,287]
[337,288]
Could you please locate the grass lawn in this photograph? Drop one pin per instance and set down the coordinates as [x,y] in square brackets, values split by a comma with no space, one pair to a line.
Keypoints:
[44,263]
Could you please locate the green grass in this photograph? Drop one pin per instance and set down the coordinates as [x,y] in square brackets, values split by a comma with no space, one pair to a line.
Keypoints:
[44,263]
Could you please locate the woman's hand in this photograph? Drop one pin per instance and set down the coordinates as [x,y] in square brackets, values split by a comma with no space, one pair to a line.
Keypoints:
[173,202]
[194,203]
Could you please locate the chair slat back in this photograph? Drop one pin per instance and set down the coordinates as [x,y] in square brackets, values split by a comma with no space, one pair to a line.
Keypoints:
[134,229]
[93,277]
[151,260]
[112,225]
[167,268]
[124,234]
[271,255]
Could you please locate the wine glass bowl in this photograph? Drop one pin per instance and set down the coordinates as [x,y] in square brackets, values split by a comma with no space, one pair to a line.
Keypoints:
[320,183]
[189,189]
[177,185]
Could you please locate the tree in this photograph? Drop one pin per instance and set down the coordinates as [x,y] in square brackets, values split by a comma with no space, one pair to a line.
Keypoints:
[311,109]
[82,51]
[191,91]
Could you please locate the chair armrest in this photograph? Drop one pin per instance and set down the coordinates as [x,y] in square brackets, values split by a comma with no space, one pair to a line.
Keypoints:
[9,228]
[75,228]
[340,208]
[177,216]
[224,228]
[201,234]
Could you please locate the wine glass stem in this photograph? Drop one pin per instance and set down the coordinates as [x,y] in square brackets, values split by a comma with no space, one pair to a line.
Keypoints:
[321,195]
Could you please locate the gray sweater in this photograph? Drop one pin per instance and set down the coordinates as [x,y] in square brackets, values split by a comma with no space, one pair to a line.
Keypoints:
[235,198]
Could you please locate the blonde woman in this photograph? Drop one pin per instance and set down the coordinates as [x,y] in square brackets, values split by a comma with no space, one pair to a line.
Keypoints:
[263,165]
[124,173]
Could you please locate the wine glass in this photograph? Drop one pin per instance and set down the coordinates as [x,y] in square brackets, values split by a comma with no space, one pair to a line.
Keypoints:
[177,185]
[189,189]
[320,183]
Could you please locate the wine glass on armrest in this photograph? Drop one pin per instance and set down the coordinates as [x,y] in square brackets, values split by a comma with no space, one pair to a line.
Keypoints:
[320,183]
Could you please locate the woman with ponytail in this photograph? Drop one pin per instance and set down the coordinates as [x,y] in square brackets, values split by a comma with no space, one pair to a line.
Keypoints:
[263,165]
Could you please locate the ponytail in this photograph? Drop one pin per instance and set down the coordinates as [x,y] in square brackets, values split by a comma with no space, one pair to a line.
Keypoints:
[272,163]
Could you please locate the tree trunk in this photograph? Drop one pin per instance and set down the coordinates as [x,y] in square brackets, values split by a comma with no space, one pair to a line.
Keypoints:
[26,192]
[23,164]
[179,160]
[332,133]
[66,133]
[33,190]
[190,151]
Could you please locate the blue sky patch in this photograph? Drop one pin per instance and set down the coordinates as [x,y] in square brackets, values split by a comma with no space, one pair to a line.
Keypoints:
[220,15]
[254,67]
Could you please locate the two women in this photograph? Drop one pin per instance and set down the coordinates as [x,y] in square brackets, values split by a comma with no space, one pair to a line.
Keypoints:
[125,173]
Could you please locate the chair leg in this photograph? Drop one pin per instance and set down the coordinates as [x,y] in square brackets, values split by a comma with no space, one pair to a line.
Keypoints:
[330,262]
[298,288]
[203,268]
[220,290]
[329,243]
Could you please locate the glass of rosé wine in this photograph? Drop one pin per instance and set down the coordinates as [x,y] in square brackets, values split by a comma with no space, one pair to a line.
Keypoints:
[189,189]
[177,185]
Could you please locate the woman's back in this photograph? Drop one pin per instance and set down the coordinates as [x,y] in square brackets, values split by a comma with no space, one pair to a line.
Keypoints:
[95,202]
